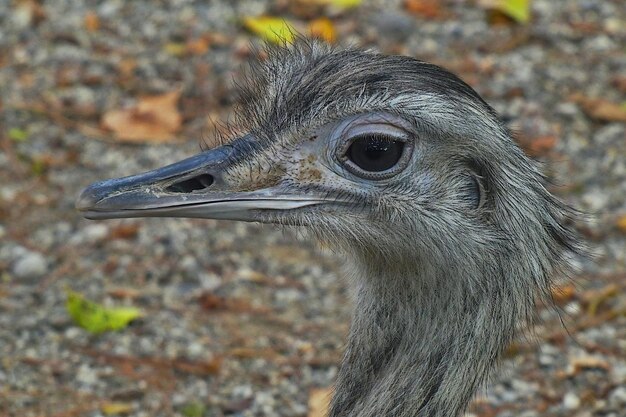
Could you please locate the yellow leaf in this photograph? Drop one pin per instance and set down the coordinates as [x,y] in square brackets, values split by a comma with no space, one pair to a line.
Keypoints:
[271,29]
[342,4]
[518,10]
[323,28]
[113,408]
[621,223]
[175,49]
[96,318]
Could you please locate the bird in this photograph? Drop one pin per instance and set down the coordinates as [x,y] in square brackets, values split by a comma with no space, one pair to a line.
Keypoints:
[450,235]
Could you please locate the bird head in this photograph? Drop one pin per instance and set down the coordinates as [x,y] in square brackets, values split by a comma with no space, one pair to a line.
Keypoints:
[389,157]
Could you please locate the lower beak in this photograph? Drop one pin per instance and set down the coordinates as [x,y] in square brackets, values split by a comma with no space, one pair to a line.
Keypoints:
[193,187]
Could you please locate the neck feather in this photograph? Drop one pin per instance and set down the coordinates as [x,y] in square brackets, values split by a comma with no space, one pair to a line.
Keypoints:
[421,347]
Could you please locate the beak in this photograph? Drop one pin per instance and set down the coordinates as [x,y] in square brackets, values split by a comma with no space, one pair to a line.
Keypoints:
[193,187]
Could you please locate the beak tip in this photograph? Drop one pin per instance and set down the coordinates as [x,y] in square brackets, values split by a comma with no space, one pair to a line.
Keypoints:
[87,199]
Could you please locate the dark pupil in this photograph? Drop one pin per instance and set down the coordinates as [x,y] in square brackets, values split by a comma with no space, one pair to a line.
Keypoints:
[375,153]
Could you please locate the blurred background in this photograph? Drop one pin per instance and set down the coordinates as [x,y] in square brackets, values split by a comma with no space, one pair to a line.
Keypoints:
[243,320]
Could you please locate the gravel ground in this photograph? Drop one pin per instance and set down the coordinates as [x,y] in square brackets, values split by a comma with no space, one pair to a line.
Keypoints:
[244,320]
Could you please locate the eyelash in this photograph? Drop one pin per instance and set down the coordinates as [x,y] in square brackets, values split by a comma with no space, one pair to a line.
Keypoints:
[346,159]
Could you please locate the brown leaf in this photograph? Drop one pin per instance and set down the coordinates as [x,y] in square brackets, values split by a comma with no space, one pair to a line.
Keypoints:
[217,38]
[125,231]
[126,67]
[600,109]
[153,119]
[130,363]
[303,9]
[129,293]
[92,22]
[319,401]
[210,367]
[249,353]
[586,362]
[197,46]
[537,146]
[619,81]
[212,302]
[429,9]
[563,293]
[621,223]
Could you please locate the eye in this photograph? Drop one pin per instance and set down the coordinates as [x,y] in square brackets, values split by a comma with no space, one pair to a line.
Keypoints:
[375,153]
[375,156]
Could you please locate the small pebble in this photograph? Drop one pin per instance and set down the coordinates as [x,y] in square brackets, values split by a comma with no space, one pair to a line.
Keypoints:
[30,265]
[571,401]
[617,397]
[95,232]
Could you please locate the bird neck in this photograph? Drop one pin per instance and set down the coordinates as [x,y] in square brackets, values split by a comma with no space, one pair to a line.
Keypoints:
[419,346]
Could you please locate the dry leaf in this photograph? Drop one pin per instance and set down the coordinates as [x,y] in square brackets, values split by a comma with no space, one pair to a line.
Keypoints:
[92,22]
[270,29]
[198,46]
[430,9]
[541,145]
[586,362]
[563,293]
[212,302]
[537,146]
[323,28]
[124,231]
[302,9]
[621,223]
[319,401]
[129,293]
[153,119]
[126,67]
[600,109]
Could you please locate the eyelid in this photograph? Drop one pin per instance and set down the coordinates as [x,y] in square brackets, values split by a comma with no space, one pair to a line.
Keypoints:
[384,129]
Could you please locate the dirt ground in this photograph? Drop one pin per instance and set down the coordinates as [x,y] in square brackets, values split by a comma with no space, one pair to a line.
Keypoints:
[247,320]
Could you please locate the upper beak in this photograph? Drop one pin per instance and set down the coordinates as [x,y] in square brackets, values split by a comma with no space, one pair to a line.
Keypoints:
[193,187]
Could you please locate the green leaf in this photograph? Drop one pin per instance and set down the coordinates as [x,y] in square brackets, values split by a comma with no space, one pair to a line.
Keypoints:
[38,167]
[96,318]
[270,29]
[193,410]
[518,10]
[18,135]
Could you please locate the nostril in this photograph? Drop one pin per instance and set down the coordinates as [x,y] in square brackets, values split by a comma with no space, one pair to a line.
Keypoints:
[199,182]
